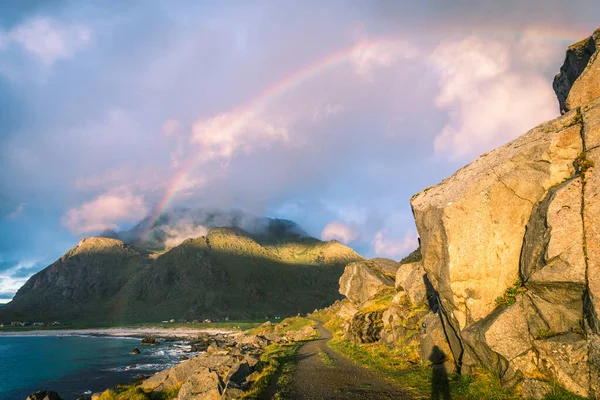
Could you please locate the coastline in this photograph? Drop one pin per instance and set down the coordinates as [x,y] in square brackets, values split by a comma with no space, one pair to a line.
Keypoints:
[179,333]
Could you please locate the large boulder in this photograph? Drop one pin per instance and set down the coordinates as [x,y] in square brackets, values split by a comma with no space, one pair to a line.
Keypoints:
[363,281]
[44,395]
[202,384]
[179,374]
[411,278]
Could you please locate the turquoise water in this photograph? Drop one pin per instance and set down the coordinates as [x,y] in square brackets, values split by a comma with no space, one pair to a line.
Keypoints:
[75,366]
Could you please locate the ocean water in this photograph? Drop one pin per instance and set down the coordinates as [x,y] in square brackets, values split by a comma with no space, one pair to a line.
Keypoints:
[75,366]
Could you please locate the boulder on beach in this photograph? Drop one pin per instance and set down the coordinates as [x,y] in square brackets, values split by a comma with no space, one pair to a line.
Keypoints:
[44,395]
[150,341]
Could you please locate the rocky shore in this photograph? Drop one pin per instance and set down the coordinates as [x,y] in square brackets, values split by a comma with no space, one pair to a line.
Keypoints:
[228,366]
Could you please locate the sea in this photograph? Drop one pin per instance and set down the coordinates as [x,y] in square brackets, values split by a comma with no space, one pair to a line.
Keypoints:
[77,366]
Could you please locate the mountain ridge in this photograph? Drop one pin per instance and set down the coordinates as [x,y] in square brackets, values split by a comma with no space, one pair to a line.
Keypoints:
[105,279]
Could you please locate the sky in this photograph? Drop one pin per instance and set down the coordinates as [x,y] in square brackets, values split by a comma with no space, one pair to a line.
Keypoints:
[331,114]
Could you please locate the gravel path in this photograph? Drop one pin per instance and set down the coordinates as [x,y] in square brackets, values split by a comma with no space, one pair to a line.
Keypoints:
[330,376]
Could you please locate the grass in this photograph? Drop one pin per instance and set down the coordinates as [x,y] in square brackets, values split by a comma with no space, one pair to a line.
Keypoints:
[326,360]
[133,392]
[277,358]
[510,295]
[583,163]
[287,325]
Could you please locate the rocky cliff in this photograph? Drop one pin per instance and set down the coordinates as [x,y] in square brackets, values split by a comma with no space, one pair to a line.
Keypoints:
[511,244]
[227,272]
[510,273]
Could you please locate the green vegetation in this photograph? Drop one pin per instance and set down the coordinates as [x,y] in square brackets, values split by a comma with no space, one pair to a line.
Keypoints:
[326,360]
[287,325]
[134,392]
[510,295]
[277,359]
[559,393]
[412,257]
[544,333]
[226,273]
[379,304]
[582,163]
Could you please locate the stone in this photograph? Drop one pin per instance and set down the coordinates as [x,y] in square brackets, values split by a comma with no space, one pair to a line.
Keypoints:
[360,283]
[384,265]
[366,327]
[150,341]
[533,389]
[565,357]
[44,395]
[579,79]
[135,351]
[411,279]
[347,311]
[472,225]
[238,373]
[591,217]
[178,374]
[203,384]
[432,341]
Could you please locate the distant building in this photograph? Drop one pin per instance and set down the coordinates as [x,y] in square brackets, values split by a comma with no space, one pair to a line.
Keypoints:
[171,320]
[226,318]
[195,321]
[164,322]
[16,323]
[38,324]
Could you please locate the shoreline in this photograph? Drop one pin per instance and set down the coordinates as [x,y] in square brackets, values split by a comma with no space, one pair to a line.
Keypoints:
[139,333]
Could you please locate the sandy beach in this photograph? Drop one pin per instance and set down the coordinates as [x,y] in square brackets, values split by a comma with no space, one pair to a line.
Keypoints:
[184,333]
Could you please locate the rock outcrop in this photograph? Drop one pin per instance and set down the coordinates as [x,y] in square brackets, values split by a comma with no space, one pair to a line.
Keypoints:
[364,280]
[579,79]
[44,395]
[511,246]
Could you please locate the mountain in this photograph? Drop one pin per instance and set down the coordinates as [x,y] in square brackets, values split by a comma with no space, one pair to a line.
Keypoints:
[228,272]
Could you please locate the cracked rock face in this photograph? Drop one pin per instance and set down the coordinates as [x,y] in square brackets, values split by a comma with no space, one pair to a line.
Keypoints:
[527,211]
[472,224]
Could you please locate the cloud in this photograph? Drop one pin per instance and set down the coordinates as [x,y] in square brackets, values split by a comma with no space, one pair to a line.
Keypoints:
[490,97]
[13,278]
[395,247]
[48,39]
[225,134]
[105,212]
[17,211]
[177,234]
[337,230]
[368,57]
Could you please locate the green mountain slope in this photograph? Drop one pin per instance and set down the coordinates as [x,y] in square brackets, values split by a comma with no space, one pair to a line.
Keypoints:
[225,273]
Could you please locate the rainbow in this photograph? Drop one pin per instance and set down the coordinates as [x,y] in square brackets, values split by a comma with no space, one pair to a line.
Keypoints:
[296,78]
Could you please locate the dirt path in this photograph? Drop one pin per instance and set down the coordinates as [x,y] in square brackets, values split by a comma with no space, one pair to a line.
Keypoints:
[321,374]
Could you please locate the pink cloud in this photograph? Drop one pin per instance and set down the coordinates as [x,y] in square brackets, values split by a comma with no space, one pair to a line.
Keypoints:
[105,212]
[337,230]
